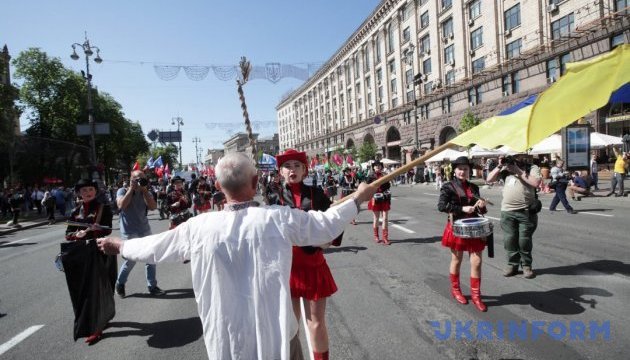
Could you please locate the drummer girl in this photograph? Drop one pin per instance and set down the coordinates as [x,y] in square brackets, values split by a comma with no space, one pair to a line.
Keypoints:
[348,185]
[460,199]
[380,203]
[311,278]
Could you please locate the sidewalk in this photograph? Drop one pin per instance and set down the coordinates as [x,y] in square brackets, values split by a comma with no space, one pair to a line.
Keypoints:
[25,223]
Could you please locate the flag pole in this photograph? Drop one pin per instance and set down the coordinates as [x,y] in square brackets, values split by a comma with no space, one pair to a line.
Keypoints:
[403,169]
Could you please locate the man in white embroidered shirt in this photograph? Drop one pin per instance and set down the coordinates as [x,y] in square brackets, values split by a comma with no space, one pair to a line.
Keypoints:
[241,261]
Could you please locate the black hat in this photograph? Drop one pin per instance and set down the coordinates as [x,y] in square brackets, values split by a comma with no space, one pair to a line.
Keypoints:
[84,183]
[462,160]
[347,169]
[377,162]
[176,178]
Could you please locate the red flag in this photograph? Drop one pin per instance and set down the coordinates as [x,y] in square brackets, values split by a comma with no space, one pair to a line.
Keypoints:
[159,171]
[167,171]
[136,166]
[349,160]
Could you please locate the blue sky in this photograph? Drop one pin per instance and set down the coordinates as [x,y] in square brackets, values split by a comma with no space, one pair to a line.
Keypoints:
[133,35]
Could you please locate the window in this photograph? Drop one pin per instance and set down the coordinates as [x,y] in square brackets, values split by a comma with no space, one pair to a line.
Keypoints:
[449,54]
[426,66]
[552,69]
[621,5]
[411,96]
[357,66]
[392,66]
[474,95]
[424,20]
[394,102]
[392,86]
[422,2]
[404,14]
[513,49]
[562,27]
[391,35]
[512,17]
[446,4]
[369,98]
[476,38]
[478,65]
[617,40]
[446,104]
[564,59]
[409,77]
[474,9]
[425,44]
[449,79]
[506,84]
[406,35]
[366,59]
[378,48]
[357,88]
[428,87]
[447,27]
[379,76]
[380,94]
[516,82]
[368,82]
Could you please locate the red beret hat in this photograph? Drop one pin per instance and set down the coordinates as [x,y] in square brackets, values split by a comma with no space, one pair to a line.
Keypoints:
[291,154]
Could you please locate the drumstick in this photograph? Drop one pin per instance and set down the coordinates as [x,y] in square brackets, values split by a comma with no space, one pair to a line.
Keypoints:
[482,199]
[85,225]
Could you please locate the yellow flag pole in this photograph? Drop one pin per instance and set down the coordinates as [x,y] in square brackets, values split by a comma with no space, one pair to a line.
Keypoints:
[403,169]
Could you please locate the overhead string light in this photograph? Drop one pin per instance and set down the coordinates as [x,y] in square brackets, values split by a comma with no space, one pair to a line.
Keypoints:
[273,72]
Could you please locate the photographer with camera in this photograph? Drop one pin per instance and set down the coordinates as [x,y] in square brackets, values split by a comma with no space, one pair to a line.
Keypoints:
[519,211]
[559,182]
[133,202]
[178,202]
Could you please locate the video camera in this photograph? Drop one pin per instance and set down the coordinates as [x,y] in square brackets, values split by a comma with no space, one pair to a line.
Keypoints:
[142,182]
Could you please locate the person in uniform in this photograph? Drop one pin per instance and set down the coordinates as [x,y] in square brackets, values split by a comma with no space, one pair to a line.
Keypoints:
[348,184]
[460,199]
[90,274]
[203,196]
[311,278]
[381,203]
[330,185]
[177,201]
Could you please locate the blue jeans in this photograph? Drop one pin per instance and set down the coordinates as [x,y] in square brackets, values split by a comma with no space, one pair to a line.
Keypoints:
[560,196]
[128,265]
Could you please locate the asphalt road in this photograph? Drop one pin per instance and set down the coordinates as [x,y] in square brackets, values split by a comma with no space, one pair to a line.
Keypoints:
[388,297]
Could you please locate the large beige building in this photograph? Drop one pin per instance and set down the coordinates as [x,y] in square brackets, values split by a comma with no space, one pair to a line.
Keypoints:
[430,61]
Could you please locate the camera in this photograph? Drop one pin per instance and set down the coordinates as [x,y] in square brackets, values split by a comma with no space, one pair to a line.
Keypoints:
[142,182]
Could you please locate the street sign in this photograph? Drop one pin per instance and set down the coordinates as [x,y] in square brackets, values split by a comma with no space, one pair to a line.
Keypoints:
[99,129]
[170,136]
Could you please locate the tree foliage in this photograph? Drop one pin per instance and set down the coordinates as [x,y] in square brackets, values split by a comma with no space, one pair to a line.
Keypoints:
[367,151]
[55,100]
[469,121]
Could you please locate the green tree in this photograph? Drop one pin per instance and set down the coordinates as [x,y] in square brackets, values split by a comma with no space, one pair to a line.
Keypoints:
[367,151]
[468,121]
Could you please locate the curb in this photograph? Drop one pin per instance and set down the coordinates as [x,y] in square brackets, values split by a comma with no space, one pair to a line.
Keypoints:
[24,227]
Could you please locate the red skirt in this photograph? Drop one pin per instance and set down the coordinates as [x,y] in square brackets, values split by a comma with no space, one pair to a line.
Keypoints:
[310,276]
[205,206]
[379,206]
[460,244]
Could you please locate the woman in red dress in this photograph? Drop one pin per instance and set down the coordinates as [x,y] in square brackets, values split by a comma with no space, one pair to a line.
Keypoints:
[311,278]
[380,203]
[203,196]
[460,199]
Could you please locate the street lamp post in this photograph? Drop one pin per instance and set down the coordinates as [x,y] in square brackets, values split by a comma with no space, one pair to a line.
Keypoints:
[180,122]
[88,50]
[416,81]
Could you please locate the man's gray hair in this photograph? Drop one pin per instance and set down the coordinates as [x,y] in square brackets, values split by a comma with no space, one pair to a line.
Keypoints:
[234,172]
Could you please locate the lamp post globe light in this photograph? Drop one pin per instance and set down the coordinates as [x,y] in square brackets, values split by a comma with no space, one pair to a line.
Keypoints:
[179,122]
[88,50]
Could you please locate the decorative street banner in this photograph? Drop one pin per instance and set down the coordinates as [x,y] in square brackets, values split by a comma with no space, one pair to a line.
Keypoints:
[273,72]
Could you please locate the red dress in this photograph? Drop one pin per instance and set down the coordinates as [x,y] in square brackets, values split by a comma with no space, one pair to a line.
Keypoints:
[460,244]
[310,275]
[383,190]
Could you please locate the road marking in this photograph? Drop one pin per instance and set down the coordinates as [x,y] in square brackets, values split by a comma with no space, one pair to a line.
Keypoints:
[307,334]
[18,338]
[493,218]
[596,214]
[16,241]
[402,228]
[430,194]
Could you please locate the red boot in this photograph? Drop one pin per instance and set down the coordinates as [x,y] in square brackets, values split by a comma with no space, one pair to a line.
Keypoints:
[386,236]
[94,338]
[376,239]
[320,356]
[456,291]
[475,294]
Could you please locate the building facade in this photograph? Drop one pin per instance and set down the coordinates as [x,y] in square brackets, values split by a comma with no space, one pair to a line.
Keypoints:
[240,143]
[408,74]
[212,156]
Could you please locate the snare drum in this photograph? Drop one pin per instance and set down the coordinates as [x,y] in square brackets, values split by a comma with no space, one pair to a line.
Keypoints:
[378,197]
[472,228]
